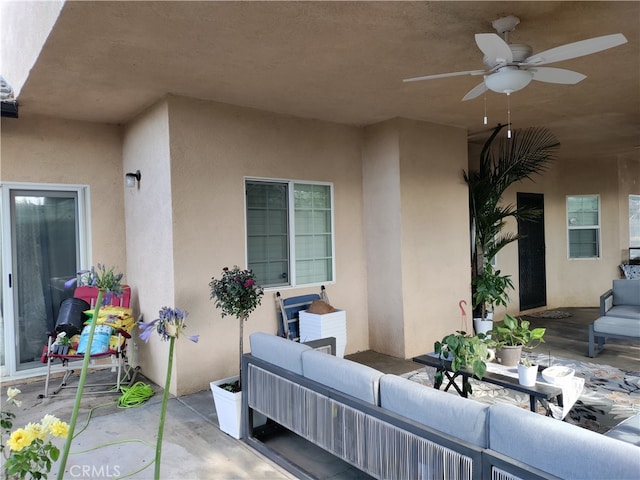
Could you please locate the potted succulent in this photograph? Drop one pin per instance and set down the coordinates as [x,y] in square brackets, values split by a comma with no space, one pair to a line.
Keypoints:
[464,352]
[489,291]
[527,372]
[511,336]
[61,344]
[237,294]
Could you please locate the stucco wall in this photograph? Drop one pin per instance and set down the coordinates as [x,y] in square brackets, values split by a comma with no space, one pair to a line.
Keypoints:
[417,242]
[45,150]
[213,147]
[435,233]
[383,227]
[149,232]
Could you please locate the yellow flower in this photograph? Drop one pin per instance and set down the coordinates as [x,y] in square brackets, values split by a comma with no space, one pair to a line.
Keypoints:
[12,393]
[36,431]
[59,429]
[19,439]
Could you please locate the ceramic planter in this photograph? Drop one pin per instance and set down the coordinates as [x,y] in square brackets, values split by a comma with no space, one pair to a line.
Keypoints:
[482,326]
[229,408]
[527,375]
[509,356]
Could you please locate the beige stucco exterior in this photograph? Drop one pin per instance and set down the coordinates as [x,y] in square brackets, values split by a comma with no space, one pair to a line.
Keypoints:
[400,219]
[53,151]
[400,206]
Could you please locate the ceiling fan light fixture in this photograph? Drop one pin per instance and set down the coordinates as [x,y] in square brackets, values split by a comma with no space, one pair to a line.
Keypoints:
[508,80]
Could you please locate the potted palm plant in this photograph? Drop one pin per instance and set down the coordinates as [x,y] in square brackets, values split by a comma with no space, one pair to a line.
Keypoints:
[237,294]
[511,336]
[503,163]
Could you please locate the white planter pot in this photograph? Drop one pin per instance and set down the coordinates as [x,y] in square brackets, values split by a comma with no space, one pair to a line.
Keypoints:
[482,326]
[314,327]
[229,408]
[527,375]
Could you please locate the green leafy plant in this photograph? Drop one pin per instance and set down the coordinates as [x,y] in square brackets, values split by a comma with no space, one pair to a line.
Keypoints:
[31,448]
[237,294]
[490,290]
[463,351]
[512,332]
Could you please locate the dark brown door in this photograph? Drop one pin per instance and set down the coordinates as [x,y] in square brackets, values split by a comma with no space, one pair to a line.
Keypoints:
[531,254]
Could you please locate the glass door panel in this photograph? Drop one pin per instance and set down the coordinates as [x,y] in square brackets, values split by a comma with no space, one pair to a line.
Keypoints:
[45,254]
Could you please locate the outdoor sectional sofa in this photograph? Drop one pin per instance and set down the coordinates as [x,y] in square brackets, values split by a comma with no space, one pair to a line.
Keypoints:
[619,315]
[392,428]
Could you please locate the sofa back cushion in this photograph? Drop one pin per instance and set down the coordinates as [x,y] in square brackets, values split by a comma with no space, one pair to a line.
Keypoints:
[346,376]
[277,350]
[626,292]
[559,448]
[460,417]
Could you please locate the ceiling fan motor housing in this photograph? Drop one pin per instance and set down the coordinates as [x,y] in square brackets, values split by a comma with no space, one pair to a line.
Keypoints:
[520,52]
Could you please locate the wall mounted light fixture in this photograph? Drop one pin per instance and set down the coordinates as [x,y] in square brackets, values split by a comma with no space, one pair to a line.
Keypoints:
[132,178]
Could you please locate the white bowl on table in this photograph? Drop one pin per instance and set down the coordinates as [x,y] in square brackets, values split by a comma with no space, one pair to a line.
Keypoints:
[557,374]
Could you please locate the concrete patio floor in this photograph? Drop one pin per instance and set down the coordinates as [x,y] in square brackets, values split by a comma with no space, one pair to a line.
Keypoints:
[120,442]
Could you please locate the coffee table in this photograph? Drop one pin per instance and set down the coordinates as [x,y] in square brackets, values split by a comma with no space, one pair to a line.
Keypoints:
[543,393]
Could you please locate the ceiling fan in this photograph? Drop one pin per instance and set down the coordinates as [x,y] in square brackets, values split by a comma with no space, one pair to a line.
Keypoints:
[512,66]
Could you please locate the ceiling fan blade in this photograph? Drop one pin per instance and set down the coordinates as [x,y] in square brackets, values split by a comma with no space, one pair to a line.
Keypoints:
[475,92]
[576,49]
[445,75]
[556,75]
[494,47]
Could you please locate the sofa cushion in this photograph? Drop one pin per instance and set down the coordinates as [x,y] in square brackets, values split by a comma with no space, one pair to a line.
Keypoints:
[627,431]
[559,448]
[626,292]
[625,311]
[460,417]
[346,376]
[627,327]
[277,350]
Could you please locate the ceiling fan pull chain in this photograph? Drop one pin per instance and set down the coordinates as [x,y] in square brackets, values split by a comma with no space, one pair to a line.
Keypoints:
[508,115]
[485,109]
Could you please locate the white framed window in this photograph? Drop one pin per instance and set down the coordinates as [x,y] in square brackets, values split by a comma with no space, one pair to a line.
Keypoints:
[583,224]
[290,237]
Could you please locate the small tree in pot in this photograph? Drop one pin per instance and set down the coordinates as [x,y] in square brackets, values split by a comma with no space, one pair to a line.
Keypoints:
[237,294]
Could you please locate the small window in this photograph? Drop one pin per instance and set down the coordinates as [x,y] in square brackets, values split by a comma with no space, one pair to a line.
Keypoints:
[289,232]
[583,223]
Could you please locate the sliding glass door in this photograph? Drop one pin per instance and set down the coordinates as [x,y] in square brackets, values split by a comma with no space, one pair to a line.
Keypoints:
[46,248]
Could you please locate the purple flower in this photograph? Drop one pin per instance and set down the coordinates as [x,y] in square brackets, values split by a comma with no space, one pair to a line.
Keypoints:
[170,323]
[147,328]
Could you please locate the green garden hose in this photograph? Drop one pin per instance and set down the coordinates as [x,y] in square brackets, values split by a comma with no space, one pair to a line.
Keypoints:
[135,395]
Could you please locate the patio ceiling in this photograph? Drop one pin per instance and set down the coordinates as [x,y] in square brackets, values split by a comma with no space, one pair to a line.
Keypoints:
[341,62]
